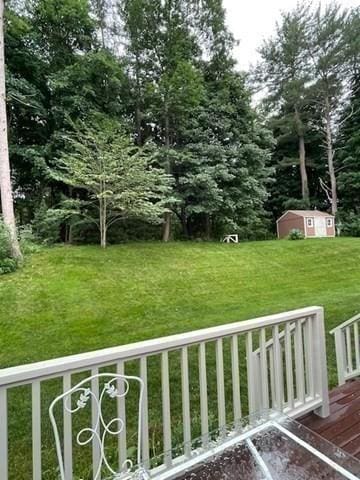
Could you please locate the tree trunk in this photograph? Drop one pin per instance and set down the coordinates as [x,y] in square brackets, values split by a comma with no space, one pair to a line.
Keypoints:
[103,238]
[7,205]
[167,216]
[102,222]
[330,158]
[303,173]
[302,158]
[207,227]
[138,112]
[184,222]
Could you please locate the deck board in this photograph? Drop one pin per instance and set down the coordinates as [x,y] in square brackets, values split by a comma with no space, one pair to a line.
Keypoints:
[342,427]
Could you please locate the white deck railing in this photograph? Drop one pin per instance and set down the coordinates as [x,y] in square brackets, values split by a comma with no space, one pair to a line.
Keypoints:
[347,346]
[194,382]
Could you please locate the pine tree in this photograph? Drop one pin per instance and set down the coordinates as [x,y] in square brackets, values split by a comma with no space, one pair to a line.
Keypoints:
[285,72]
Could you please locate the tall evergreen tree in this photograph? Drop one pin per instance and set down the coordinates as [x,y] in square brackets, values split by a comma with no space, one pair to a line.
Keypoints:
[348,141]
[328,51]
[285,72]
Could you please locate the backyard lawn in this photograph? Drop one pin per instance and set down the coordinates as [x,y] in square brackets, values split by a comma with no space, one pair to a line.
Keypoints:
[73,299]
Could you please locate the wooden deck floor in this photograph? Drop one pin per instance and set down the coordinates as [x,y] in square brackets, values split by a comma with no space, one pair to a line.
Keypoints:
[342,427]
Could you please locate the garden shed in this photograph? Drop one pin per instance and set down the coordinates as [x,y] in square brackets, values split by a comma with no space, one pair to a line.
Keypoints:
[312,223]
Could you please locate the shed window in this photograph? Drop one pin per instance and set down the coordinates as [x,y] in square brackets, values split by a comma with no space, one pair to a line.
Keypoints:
[310,222]
[329,222]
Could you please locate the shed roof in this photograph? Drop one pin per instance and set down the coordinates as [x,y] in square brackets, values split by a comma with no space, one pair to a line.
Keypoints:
[307,213]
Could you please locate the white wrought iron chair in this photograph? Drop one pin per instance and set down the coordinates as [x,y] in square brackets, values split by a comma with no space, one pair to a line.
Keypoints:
[100,429]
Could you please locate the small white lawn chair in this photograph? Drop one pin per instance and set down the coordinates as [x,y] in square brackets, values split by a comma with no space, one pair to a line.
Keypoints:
[100,429]
[232,238]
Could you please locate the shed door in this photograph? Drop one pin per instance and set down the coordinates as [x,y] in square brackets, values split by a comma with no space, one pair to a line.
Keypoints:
[320,226]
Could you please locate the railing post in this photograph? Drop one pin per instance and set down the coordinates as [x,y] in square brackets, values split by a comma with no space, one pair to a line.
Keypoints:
[340,355]
[3,434]
[320,364]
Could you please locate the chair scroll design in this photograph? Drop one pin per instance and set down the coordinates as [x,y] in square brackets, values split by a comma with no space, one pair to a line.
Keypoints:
[100,429]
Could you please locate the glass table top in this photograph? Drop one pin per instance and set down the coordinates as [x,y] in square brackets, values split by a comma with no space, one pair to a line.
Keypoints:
[265,446]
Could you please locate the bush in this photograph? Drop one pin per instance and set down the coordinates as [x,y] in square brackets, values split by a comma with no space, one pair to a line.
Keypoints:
[350,225]
[296,234]
[28,241]
[46,225]
[7,263]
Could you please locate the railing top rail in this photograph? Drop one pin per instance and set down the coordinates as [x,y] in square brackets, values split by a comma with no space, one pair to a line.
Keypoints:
[346,324]
[28,372]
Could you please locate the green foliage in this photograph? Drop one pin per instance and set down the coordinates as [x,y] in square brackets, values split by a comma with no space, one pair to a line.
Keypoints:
[348,160]
[29,243]
[296,234]
[309,66]
[46,226]
[121,180]
[164,70]
[7,263]
[62,29]
[295,204]
[350,224]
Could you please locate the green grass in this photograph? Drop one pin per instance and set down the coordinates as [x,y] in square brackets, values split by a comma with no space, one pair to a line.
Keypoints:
[69,300]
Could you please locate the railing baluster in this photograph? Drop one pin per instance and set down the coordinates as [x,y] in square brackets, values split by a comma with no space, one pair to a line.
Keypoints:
[145,415]
[235,378]
[348,350]
[357,346]
[68,460]
[250,373]
[96,454]
[340,355]
[264,370]
[186,400]
[299,363]
[121,408]
[166,408]
[289,366]
[220,385]
[36,429]
[278,369]
[3,435]
[309,354]
[272,375]
[204,414]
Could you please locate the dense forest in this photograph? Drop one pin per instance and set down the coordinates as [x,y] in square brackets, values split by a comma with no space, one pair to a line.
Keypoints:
[129,119]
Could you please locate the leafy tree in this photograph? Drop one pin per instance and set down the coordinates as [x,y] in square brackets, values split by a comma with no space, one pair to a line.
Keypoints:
[223,175]
[198,112]
[63,29]
[27,94]
[120,179]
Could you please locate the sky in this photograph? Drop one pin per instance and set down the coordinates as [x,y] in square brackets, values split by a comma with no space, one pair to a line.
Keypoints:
[253,20]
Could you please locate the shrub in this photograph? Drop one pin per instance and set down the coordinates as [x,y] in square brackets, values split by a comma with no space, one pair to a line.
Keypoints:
[350,225]
[46,225]
[28,241]
[296,234]
[7,264]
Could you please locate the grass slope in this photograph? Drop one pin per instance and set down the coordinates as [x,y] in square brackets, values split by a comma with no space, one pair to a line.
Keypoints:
[70,300]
